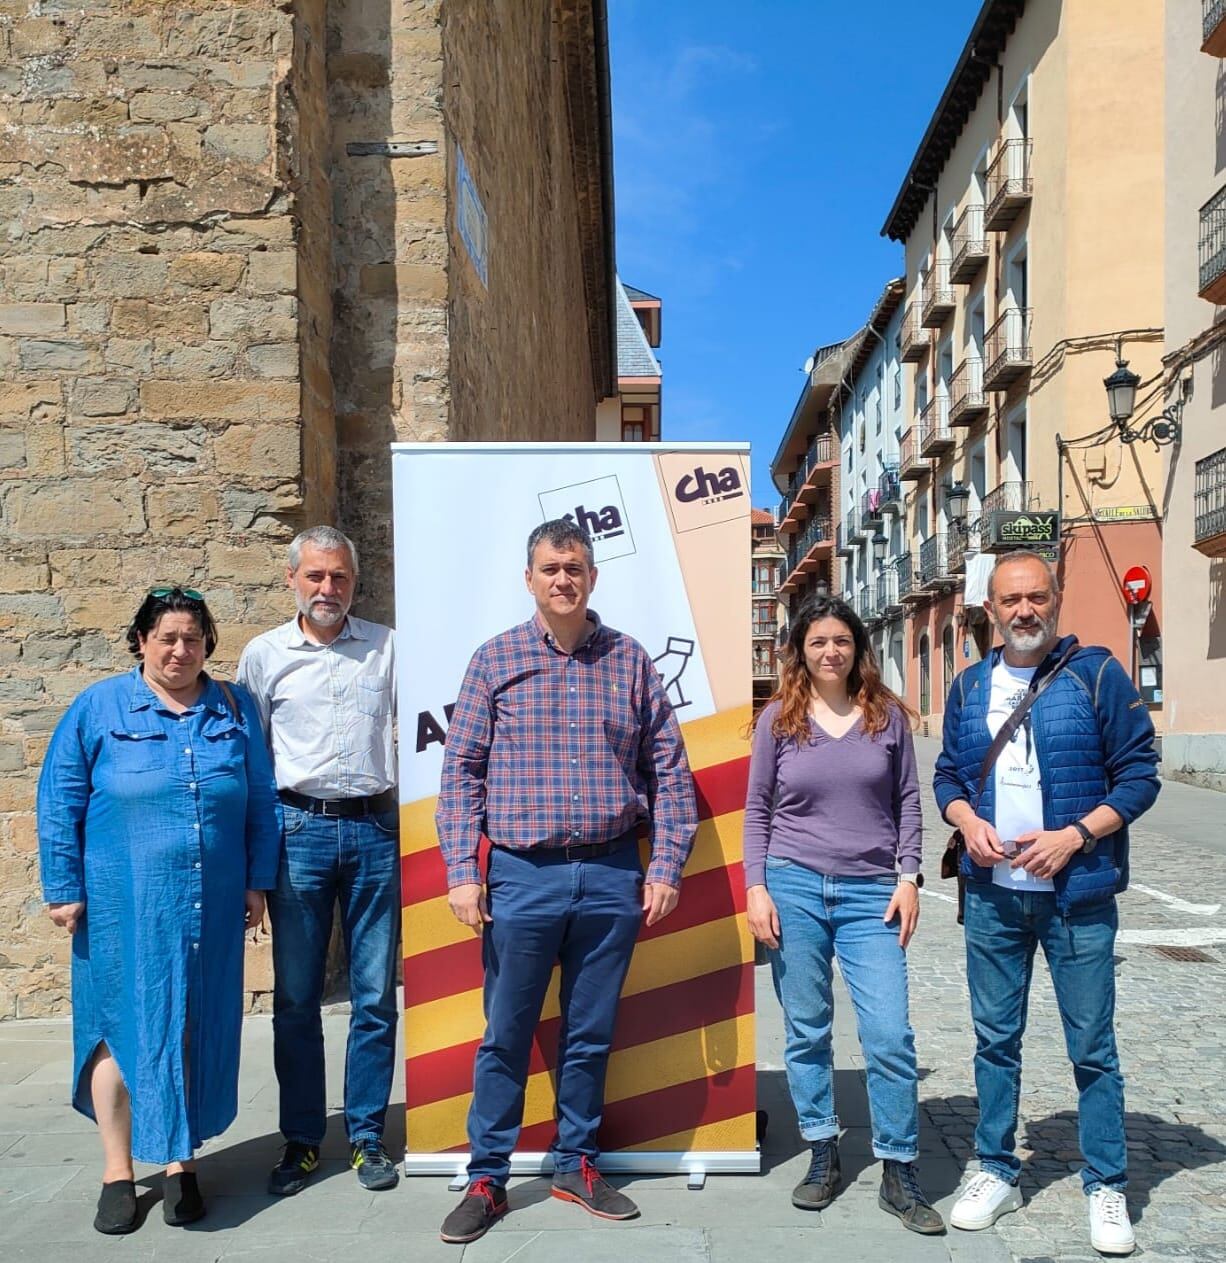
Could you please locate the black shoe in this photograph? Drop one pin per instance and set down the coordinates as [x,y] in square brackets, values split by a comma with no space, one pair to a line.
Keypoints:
[901,1195]
[375,1169]
[117,1208]
[593,1192]
[816,1191]
[479,1207]
[181,1200]
[289,1176]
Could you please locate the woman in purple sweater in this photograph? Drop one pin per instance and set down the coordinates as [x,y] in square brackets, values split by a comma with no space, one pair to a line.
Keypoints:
[832,857]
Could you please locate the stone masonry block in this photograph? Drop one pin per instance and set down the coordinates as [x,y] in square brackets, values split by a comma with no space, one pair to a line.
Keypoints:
[72,509]
[24,572]
[12,449]
[232,317]
[220,401]
[83,567]
[164,107]
[63,355]
[102,396]
[23,400]
[250,564]
[31,612]
[209,359]
[137,315]
[404,281]
[180,510]
[207,269]
[248,142]
[129,275]
[96,609]
[273,272]
[31,318]
[273,359]
[140,446]
[267,451]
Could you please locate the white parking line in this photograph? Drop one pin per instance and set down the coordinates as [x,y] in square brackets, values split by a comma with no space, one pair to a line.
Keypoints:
[936,894]
[1179,905]
[1172,938]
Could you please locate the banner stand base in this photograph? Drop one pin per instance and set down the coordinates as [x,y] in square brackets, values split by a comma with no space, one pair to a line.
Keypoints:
[695,1165]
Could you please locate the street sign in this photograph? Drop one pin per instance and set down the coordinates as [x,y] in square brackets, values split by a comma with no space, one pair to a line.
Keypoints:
[1136,584]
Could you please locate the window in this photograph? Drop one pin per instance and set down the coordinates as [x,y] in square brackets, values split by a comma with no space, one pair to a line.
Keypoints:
[636,423]
[947,658]
[898,388]
[764,623]
[925,680]
[633,432]
[765,578]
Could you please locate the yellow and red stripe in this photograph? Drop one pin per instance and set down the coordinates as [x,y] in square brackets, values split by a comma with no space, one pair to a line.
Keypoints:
[681,1075]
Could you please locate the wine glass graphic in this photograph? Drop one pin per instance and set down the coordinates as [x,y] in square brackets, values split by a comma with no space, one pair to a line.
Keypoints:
[671,665]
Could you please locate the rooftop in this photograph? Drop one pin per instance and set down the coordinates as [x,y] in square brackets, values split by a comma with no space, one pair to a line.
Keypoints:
[634,356]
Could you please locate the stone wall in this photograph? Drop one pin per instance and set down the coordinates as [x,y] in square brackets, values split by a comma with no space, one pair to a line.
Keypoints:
[151,384]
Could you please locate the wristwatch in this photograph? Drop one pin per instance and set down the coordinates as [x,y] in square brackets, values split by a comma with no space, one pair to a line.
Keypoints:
[1088,840]
[912,879]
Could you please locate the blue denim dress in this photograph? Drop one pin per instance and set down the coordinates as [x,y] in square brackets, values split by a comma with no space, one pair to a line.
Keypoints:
[160,823]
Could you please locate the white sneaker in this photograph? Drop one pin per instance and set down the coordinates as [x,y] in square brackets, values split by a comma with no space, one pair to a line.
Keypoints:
[1110,1228]
[984,1198]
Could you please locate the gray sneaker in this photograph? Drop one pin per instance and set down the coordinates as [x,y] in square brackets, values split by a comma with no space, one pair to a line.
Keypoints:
[816,1191]
[593,1192]
[901,1195]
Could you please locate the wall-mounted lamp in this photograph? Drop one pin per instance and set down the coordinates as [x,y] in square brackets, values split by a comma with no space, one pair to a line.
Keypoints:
[1122,401]
[957,497]
[880,544]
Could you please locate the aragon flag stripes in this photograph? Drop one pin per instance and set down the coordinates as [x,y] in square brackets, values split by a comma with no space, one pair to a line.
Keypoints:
[682,1075]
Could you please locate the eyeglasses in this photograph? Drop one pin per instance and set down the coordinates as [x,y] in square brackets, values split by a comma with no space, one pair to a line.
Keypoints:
[190,593]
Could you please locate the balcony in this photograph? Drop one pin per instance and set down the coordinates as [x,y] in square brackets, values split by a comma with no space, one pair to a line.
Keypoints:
[913,339]
[911,465]
[934,569]
[967,399]
[970,245]
[1211,505]
[1009,185]
[1010,497]
[955,550]
[856,529]
[870,511]
[1212,251]
[935,436]
[802,553]
[888,604]
[909,591]
[939,297]
[866,604]
[1213,27]
[889,486]
[1009,354]
[802,485]
[844,545]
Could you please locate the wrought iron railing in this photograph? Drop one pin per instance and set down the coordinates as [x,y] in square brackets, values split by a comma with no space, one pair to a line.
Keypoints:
[1210,496]
[1015,497]
[870,509]
[817,530]
[1212,246]
[1212,13]
[933,558]
[970,243]
[913,337]
[938,290]
[889,485]
[1008,344]
[1009,182]
[904,572]
[966,393]
[934,423]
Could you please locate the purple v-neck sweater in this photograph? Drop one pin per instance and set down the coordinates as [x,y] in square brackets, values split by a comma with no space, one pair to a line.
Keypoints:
[848,808]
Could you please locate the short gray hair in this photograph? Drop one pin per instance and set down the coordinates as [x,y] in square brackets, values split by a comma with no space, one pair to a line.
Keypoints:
[559,533]
[326,537]
[1023,554]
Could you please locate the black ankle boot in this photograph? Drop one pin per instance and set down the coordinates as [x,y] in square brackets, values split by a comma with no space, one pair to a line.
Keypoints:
[816,1191]
[901,1195]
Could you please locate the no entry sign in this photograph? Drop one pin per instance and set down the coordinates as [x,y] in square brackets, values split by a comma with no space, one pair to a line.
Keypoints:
[1136,584]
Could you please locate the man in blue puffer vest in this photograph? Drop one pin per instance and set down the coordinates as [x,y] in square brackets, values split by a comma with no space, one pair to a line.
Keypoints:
[1046,854]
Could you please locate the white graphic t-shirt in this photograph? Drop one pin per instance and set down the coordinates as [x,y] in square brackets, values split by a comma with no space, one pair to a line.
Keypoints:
[1019,797]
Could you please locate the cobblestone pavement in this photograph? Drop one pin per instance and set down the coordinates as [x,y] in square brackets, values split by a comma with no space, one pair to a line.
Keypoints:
[1170,1019]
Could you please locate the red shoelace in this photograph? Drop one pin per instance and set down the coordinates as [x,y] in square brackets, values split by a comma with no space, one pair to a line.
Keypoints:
[481,1188]
[587,1169]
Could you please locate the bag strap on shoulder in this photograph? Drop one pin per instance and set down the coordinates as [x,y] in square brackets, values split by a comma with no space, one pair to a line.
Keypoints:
[1009,728]
[231,700]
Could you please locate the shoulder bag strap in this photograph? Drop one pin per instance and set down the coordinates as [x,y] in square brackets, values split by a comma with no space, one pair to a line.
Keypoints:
[232,701]
[1009,728]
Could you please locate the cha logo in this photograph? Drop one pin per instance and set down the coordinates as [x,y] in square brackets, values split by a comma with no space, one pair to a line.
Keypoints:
[724,484]
[599,508]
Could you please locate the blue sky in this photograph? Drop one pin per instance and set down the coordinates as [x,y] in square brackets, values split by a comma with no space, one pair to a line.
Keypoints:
[758,149]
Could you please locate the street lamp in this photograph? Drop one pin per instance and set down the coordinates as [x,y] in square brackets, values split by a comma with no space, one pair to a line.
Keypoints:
[880,544]
[1122,401]
[957,497]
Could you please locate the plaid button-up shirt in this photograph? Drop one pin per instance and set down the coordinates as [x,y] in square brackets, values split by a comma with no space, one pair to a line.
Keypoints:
[547,749]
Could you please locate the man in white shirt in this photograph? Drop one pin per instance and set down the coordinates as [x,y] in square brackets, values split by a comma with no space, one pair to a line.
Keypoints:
[324,687]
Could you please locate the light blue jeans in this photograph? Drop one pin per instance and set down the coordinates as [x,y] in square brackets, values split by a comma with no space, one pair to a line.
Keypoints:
[1003,929]
[820,918]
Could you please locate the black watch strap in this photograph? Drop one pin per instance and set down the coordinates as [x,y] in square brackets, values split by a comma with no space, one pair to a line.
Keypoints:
[1088,840]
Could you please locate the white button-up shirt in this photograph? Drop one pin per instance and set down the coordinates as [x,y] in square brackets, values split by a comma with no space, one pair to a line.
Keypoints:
[327,710]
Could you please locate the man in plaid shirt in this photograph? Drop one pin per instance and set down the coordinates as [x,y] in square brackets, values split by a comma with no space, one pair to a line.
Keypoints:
[561,743]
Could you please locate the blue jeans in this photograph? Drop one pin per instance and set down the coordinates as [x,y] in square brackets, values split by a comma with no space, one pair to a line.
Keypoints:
[820,918]
[355,862]
[584,915]
[1003,928]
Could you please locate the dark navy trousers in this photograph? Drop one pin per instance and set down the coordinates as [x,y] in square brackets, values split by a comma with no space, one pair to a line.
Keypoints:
[584,915]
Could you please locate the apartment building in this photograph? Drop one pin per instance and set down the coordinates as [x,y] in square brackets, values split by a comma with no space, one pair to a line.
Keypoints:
[769,612]
[632,415]
[1193,394]
[1031,222]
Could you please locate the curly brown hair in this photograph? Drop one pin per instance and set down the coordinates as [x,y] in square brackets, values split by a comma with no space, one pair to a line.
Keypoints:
[864,686]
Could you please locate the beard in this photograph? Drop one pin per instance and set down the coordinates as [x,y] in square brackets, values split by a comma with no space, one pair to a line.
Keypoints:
[1032,635]
[322,613]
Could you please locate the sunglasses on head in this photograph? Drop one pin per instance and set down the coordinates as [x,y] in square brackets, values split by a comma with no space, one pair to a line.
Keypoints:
[190,593]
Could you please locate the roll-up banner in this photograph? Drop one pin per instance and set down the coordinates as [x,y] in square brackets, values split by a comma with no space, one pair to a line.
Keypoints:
[671,527]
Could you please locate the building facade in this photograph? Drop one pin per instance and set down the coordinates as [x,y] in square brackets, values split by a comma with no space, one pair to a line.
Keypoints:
[1194,393]
[769,612]
[632,415]
[248,245]
[1032,253]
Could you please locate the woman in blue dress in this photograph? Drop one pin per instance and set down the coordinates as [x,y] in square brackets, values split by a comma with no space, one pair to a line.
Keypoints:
[159,830]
